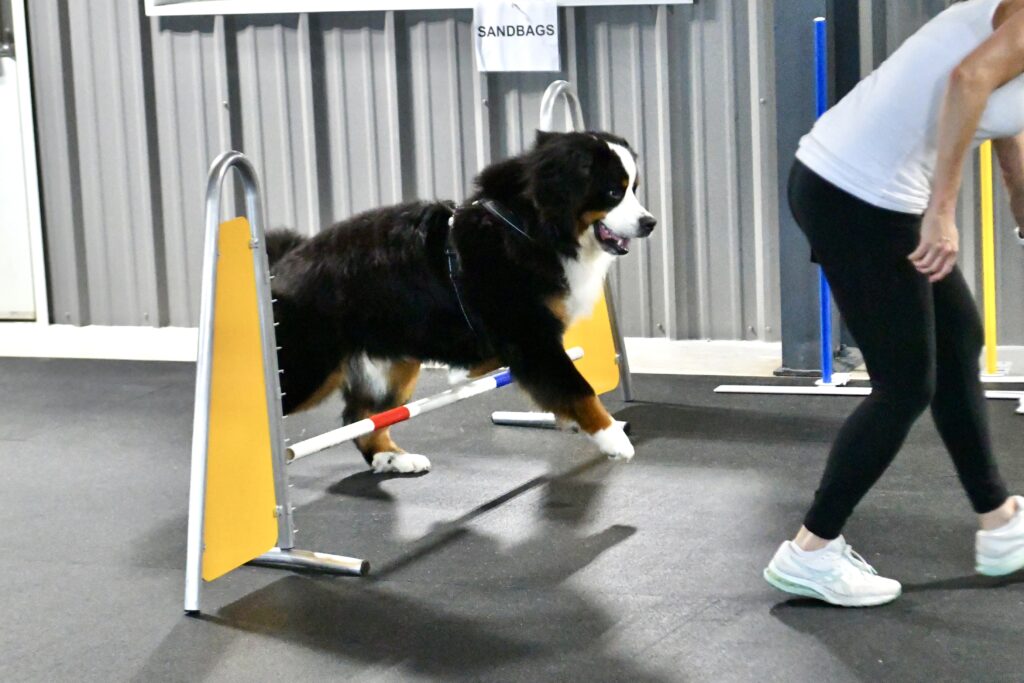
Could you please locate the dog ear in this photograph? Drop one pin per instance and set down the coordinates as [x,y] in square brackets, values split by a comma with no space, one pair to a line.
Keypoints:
[544,137]
[559,168]
[558,183]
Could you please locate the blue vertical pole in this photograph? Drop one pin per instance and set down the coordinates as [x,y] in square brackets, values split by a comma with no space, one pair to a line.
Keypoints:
[821,104]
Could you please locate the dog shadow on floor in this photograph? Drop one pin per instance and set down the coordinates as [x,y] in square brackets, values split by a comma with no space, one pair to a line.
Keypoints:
[459,603]
[367,484]
[662,420]
[496,612]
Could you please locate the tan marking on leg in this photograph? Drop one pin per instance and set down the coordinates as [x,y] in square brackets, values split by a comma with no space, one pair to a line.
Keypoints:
[378,442]
[402,380]
[590,415]
[330,384]
[402,377]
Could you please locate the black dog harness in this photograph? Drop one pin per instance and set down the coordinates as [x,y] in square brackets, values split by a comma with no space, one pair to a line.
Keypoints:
[500,212]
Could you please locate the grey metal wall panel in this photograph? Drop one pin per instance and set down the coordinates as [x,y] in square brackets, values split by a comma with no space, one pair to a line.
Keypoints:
[357,112]
[620,71]
[53,78]
[513,103]
[676,82]
[439,158]
[113,158]
[192,116]
[906,16]
[342,112]
[276,112]
[1009,274]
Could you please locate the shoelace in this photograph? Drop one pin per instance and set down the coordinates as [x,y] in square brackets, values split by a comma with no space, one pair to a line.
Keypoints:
[855,558]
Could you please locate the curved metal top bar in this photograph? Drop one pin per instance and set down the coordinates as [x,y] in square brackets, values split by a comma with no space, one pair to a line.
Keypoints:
[565,90]
[250,184]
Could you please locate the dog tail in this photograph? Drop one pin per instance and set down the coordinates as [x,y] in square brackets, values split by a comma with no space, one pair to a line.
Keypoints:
[280,242]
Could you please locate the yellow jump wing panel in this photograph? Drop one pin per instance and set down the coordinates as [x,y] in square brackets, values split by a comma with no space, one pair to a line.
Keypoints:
[240,500]
[594,334]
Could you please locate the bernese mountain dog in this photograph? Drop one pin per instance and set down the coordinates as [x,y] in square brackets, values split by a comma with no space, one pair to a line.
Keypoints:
[493,282]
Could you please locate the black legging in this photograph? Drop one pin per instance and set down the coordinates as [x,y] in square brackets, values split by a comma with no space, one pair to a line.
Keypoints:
[921,343]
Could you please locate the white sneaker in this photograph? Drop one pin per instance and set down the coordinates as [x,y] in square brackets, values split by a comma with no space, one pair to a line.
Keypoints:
[835,574]
[1001,551]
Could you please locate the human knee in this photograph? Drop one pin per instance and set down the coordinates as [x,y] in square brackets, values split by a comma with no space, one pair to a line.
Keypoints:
[973,336]
[912,394]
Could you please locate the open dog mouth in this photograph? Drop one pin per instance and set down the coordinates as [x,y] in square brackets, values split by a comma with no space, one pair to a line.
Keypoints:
[609,241]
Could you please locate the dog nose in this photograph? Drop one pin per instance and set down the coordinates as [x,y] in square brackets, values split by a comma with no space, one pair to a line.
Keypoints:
[647,224]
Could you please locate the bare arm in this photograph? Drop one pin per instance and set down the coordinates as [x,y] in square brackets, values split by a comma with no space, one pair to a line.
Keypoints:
[1010,152]
[994,62]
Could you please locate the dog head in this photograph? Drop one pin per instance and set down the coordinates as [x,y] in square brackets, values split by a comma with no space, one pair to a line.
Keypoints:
[584,187]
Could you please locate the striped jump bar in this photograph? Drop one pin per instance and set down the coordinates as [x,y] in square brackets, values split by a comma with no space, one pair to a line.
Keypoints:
[371,424]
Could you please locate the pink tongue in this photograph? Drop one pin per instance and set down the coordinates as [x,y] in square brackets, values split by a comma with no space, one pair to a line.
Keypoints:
[609,236]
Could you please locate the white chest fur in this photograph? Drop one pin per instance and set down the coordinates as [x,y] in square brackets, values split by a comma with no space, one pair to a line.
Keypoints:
[585,276]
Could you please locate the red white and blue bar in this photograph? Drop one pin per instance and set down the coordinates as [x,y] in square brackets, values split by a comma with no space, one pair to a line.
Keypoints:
[490,382]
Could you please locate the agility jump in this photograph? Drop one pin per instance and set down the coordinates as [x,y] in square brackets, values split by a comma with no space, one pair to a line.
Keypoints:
[239,505]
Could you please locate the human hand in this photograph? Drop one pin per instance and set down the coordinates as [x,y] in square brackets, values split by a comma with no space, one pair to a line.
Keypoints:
[937,251]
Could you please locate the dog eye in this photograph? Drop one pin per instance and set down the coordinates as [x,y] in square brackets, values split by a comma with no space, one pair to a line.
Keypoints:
[615,194]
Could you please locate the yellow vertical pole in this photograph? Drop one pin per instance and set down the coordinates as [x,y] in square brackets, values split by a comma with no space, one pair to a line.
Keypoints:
[988,260]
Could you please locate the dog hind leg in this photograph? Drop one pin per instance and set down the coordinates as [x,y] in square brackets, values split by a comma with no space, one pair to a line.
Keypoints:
[373,386]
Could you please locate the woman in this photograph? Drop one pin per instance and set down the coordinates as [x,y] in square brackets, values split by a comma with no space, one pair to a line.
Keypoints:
[874,188]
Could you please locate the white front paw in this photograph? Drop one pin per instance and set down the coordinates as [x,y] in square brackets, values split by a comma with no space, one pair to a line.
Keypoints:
[457,375]
[404,463]
[614,443]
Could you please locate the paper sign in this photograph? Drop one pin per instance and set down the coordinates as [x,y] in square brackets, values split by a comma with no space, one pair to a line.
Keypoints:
[516,36]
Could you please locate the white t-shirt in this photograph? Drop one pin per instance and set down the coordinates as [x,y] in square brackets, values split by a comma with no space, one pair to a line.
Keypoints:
[879,143]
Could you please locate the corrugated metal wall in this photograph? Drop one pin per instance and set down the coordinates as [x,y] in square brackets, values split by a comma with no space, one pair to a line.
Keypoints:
[346,111]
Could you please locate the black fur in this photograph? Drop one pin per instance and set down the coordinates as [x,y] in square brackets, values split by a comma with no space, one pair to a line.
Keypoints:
[378,283]
[280,242]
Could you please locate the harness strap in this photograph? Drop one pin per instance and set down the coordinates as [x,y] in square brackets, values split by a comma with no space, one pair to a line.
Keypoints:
[455,270]
[501,213]
[452,254]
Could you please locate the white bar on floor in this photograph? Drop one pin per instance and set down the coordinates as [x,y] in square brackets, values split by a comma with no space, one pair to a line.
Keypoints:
[1004,395]
[832,391]
[539,420]
[524,419]
[792,391]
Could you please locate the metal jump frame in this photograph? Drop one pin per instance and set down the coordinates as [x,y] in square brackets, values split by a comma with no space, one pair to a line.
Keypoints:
[285,555]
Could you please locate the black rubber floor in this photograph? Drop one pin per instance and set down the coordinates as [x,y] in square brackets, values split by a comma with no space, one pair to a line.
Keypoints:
[522,557]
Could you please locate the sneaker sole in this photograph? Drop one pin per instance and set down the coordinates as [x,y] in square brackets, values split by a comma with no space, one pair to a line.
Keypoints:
[791,586]
[1002,568]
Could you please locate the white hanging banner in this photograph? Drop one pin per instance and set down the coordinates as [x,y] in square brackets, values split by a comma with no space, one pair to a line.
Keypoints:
[516,36]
